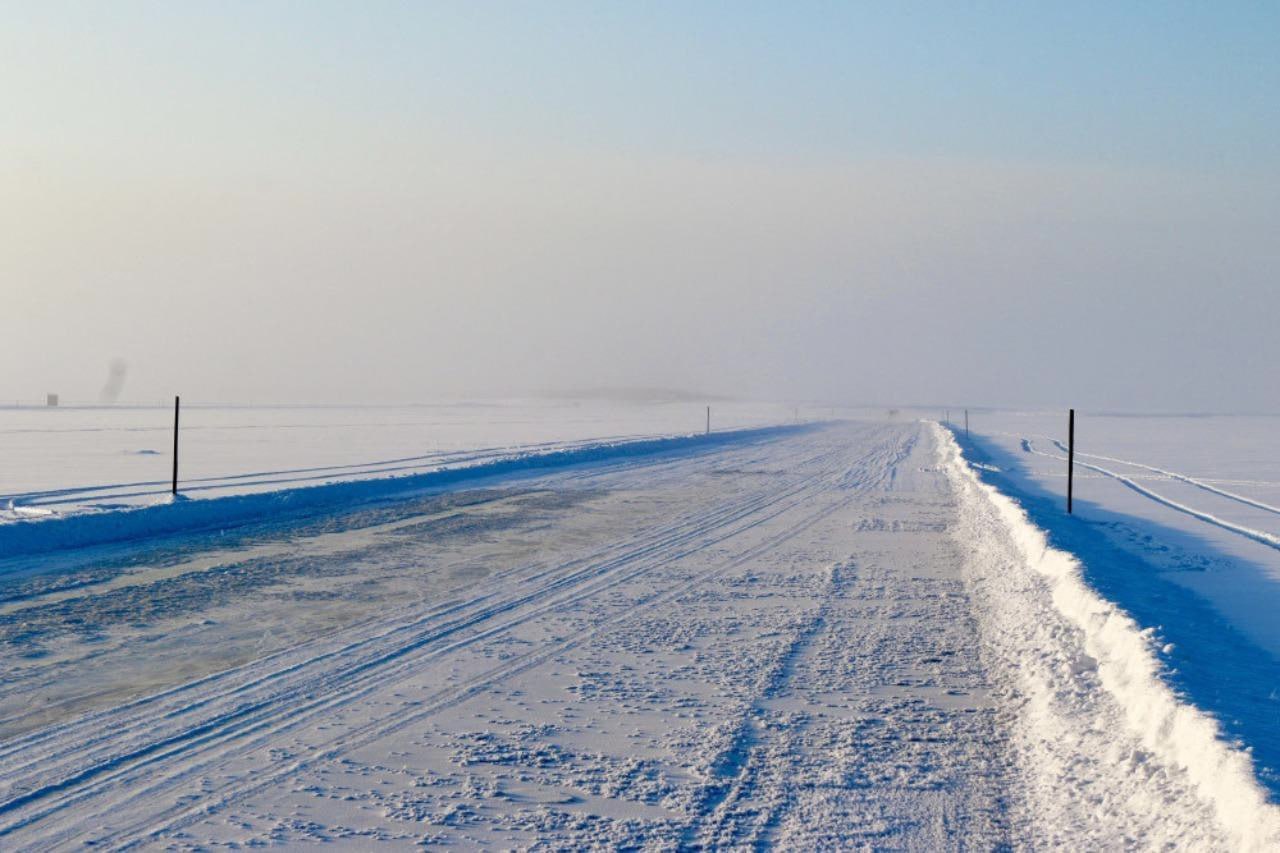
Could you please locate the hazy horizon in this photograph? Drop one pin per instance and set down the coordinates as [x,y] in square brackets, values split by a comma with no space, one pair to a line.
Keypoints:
[330,203]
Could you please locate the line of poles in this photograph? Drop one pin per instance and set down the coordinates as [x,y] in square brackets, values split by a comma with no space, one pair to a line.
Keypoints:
[1070,445]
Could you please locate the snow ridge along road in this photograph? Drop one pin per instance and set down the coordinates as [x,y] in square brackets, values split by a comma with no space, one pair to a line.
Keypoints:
[832,637]
[1100,733]
[28,526]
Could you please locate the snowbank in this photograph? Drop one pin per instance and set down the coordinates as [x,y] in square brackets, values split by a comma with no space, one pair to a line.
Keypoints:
[1103,738]
[43,535]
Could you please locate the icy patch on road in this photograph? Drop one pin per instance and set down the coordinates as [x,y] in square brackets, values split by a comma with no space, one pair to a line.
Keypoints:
[1111,754]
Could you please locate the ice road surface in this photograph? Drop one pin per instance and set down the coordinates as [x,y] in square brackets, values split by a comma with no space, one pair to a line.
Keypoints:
[833,637]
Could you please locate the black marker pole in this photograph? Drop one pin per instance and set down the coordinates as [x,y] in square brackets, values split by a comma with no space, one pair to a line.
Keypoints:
[1071,455]
[175,445]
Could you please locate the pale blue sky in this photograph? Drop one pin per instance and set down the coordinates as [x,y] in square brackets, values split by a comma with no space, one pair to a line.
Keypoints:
[747,198]
[1166,83]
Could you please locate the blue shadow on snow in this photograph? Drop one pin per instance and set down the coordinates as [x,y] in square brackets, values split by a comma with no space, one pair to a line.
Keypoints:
[1212,664]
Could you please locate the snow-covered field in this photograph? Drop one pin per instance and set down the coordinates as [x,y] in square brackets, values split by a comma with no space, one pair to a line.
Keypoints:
[68,459]
[827,636]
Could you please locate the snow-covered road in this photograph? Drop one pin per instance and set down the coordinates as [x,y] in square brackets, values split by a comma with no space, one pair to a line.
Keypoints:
[836,638]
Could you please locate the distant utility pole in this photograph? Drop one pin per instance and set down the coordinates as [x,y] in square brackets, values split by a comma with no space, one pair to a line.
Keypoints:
[966,424]
[1071,455]
[176,404]
[708,420]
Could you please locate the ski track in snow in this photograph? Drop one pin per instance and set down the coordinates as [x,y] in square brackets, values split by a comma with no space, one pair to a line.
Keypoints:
[1261,536]
[1174,475]
[836,638]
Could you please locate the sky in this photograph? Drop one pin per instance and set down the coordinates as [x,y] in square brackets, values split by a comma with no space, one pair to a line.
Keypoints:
[1018,204]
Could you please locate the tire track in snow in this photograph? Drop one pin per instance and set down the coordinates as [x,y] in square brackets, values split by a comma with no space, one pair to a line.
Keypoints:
[733,773]
[382,727]
[875,462]
[667,536]
[373,631]
[765,781]
[206,736]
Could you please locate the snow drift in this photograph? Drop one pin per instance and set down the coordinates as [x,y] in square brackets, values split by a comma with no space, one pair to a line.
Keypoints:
[42,535]
[1107,746]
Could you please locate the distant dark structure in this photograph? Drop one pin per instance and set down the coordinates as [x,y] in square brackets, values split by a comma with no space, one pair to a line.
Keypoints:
[51,400]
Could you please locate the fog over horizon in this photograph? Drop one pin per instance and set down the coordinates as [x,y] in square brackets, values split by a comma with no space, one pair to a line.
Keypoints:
[400,202]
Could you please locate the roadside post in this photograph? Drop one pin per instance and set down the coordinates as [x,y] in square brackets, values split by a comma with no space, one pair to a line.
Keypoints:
[175,444]
[1071,455]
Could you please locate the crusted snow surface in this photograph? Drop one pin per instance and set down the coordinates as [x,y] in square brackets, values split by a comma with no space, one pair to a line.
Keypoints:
[835,638]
